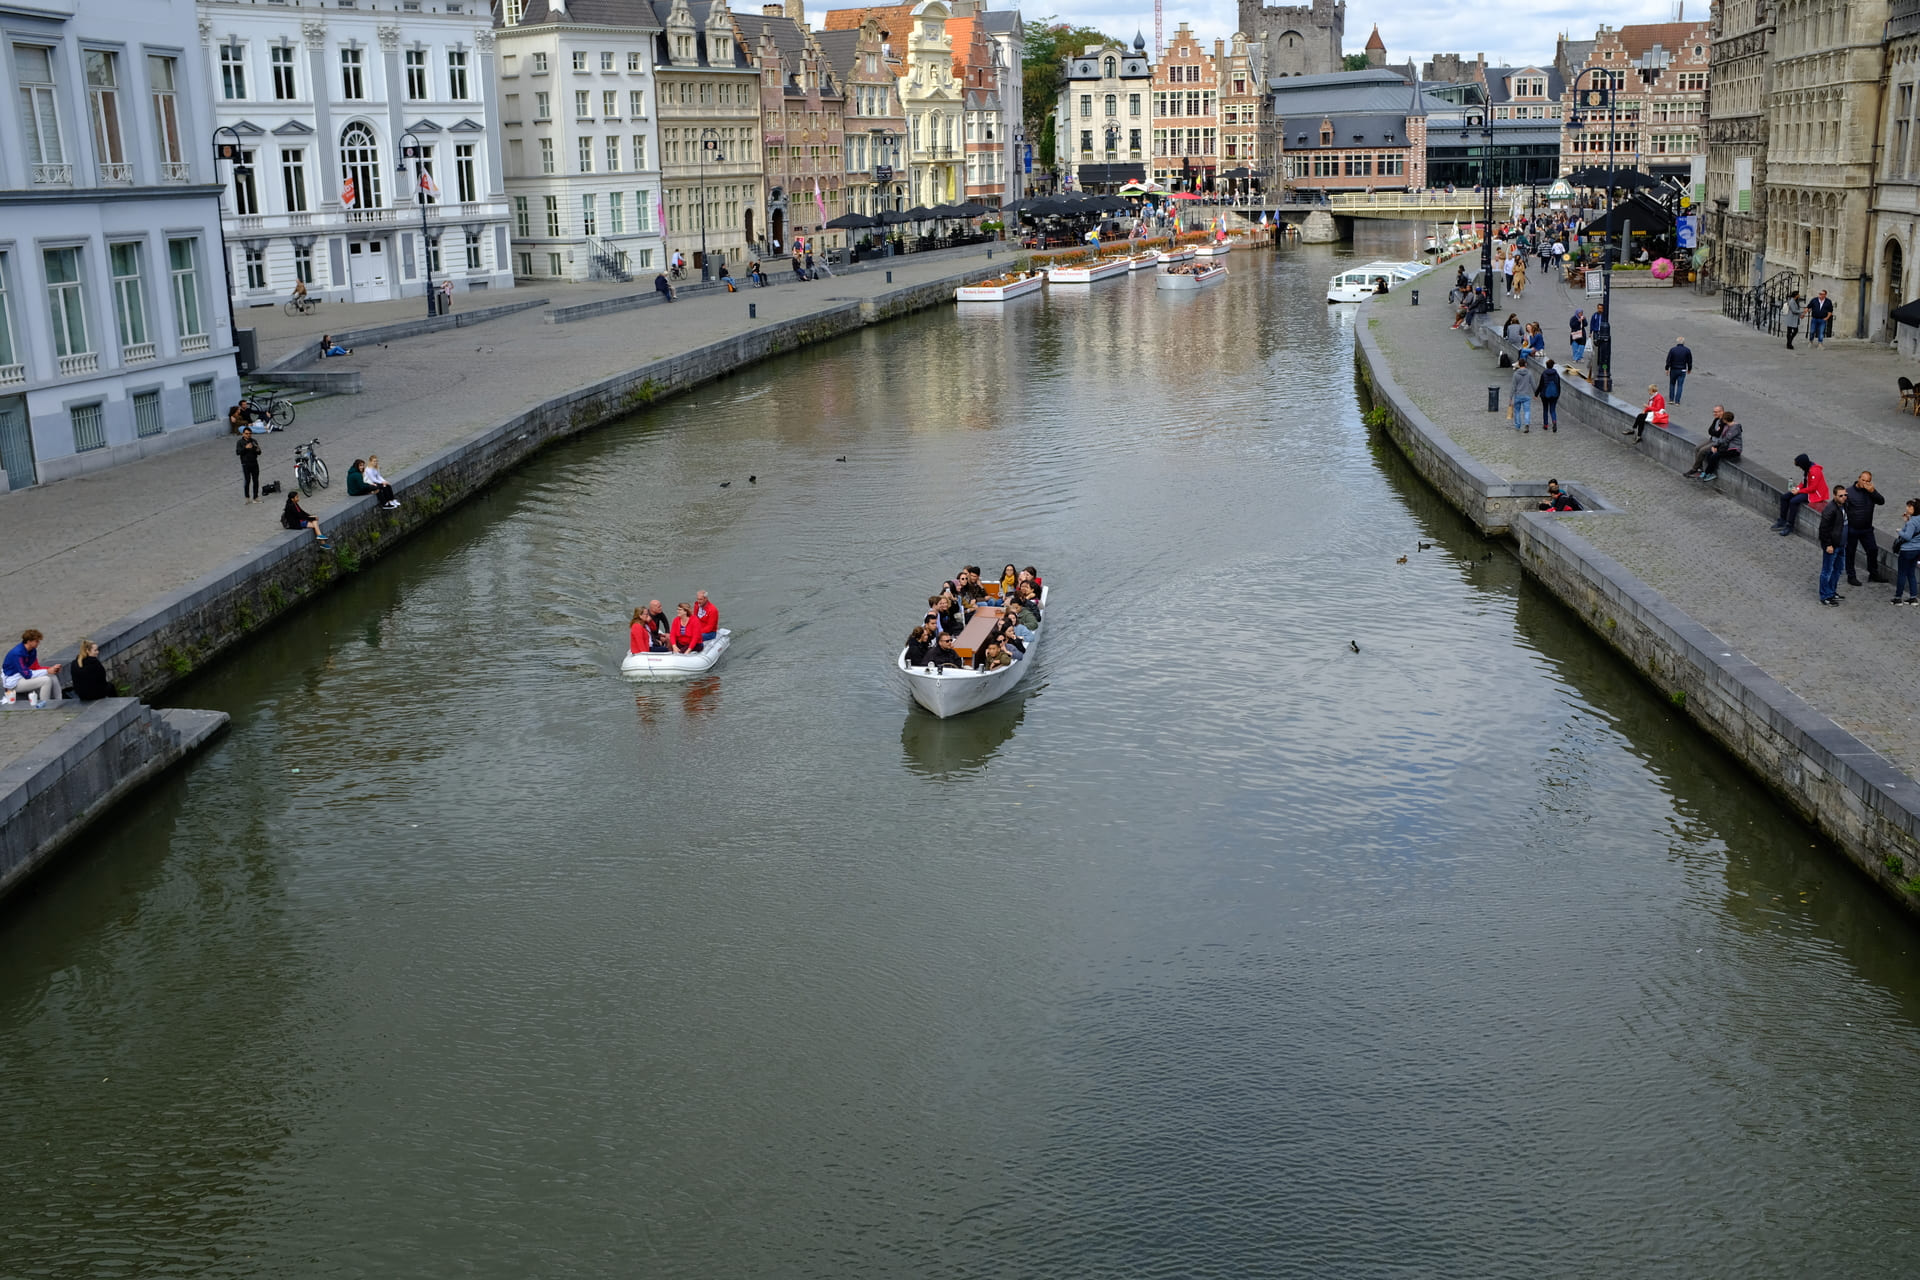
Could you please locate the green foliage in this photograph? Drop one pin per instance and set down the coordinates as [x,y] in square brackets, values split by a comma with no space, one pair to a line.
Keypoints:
[1047,144]
[275,597]
[1678,697]
[1379,417]
[243,616]
[1912,886]
[1354,62]
[177,662]
[1049,43]
[346,560]
[1893,863]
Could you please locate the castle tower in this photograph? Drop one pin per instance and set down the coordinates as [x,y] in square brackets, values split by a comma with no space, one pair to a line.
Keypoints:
[1301,39]
[1376,48]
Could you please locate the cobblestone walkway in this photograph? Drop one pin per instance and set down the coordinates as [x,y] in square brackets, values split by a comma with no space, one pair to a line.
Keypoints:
[1710,556]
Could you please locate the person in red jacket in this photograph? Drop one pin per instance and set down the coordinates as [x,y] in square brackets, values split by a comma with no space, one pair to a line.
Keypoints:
[642,637]
[1655,412]
[685,632]
[1811,489]
[707,614]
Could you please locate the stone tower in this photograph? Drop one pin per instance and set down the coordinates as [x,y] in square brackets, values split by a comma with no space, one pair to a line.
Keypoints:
[1376,49]
[1301,39]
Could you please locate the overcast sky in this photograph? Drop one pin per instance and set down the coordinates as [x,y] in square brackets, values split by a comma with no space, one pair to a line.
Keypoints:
[1440,26]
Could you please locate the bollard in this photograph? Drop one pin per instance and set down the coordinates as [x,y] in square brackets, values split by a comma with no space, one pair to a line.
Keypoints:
[753,311]
[1416,297]
[989,255]
[889,277]
[1493,399]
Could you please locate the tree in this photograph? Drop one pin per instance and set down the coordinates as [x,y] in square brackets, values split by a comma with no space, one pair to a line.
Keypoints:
[1049,43]
[1355,62]
[1047,143]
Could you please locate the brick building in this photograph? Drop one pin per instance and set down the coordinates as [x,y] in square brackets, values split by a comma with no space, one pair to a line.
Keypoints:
[1658,72]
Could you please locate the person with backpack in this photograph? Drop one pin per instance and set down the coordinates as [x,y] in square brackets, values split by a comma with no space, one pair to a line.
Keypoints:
[1550,398]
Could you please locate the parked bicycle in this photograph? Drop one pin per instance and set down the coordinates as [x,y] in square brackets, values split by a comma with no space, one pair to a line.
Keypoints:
[302,304]
[309,472]
[275,410]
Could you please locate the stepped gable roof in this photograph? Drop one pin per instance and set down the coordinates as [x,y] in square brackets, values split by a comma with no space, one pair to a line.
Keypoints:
[1374,41]
[593,13]
[895,19]
[701,11]
[1639,40]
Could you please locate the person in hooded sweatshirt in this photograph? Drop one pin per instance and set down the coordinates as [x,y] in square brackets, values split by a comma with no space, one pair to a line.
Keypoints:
[1812,490]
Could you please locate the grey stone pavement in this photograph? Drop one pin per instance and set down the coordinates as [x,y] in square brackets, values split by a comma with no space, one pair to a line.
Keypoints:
[22,728]
[1710,556]
[96,548]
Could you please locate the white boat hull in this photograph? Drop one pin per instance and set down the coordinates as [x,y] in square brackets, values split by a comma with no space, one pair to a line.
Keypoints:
[1191,279]
[999,292]
[676,666]
[951,691]
[1357,284]
[1105,270]
[1185,253]
[1218,250]
[1143,261]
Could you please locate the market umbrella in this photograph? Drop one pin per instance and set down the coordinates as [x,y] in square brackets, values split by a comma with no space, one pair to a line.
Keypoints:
[894,217]
[1906,313]
[919,213]
[1182,195]
[849,221]
[970,209]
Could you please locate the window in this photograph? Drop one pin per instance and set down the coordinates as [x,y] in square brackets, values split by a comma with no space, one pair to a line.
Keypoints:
[1108,68]
[1693,81]
[633,62]
[283,83]
[466,188]
[9,358]
[589,223]
[64,303]
[424,166]
[616,212]
[1113,104]
[582,105]
[546,155]
[129,301]
[433,254]
[146,414]
[643,212]
[639,151]
[457,75]
[539,69]
[166,119]
[186,295]
[417,75]
[554,267]
[256,264]
[579,61]
[522,226]
[303,263]
[1086,142]
[525,267]
[1133,105]
[200,397]
[553,218]
[586,155]
[645,259]
[473,251]
[353,83]
[33,66]
[1086,106]
[103,108]
[89,427]
[636,103]
[606,62]
[293,178]
[613,153]
[542,106]
[246,199]
[233,71]
[359,168]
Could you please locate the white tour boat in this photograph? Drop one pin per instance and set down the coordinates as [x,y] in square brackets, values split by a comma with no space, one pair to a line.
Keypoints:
[949,691]
[1002,289]
[673,666]
[1143,261]
[1218,249]
[1087,273]
[1178,253]
[1357,284]
[1198,277]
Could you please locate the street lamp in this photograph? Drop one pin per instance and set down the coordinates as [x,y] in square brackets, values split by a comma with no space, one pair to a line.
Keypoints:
[1484,124]
[709,149]
[1592,99]
[229,151]
[410,149]
[884,143]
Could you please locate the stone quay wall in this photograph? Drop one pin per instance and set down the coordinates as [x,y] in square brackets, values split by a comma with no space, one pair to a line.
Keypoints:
[1850,793]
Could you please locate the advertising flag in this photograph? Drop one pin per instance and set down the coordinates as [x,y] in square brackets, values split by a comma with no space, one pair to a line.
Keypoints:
[346,192]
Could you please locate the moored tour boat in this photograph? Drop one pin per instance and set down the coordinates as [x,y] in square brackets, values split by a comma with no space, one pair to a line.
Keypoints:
[1009,286]
[1218,249]
[1143,261]
[950,691]
[1357,284]
[673,666]
[1178,253]
[1087,272]
[1194,277]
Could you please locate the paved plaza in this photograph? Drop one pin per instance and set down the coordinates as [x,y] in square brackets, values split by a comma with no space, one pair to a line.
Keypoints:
[1711,556]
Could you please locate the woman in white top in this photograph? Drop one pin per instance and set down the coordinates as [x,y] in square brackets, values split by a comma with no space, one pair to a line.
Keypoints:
[375,479]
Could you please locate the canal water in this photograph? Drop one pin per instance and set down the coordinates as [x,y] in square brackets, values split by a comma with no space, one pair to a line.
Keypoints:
[1221,949]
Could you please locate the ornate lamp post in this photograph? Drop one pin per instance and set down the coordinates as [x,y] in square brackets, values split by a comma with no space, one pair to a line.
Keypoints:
[1592,99]
[410,149]
[231,152]
[1484,124]
[709,150]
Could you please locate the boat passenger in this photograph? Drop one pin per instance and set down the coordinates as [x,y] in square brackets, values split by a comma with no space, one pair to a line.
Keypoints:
[1029,602]
[684,634]
[971,592]
[1033,575]
[707,614]
[919,642]
[993,658]
[657,620]
[948,613]
[1009,579]
[640,634]
[943,653]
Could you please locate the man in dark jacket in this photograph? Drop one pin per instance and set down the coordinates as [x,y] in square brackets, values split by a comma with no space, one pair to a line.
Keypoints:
[1719,445]
[1819,319]
[1861,500]
[1833,545]
[1679,365]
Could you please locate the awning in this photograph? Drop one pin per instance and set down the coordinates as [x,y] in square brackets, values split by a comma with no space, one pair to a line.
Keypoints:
[1109,174]
[1907,313]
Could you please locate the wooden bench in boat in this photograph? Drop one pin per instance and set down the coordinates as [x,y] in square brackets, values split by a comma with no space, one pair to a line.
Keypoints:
[974,634]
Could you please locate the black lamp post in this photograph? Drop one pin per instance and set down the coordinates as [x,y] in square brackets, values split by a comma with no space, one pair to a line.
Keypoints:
[884,141]
[1592,99]
[709,150]
[231,152]
[1484,124]
[410,149]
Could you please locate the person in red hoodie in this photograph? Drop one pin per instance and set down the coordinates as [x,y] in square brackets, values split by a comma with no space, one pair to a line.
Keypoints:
[1655,412]
[685,632]
[707,615]
[1812,489]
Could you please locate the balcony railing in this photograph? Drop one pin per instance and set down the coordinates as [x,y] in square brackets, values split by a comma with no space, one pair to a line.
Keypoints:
[81,362]
[53,175]
[369,215]
[194,342]
[12,374]
[138,353]
[175,171]
[249,222]
[117,173]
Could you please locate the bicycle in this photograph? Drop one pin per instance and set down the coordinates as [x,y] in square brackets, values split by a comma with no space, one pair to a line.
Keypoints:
[302,305]
[276,411]
[309,472]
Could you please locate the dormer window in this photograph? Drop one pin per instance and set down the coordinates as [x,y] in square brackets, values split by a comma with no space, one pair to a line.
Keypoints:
[722,49]
[1109,66]
[1326,137]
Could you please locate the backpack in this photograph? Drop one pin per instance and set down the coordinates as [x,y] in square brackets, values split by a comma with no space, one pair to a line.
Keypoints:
[1550,384]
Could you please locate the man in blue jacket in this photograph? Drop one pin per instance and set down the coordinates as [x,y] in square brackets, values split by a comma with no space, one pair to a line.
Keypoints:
[21,672]
[1679,365]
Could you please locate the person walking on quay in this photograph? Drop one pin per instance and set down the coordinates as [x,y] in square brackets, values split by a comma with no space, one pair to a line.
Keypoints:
[1550,398]
[1833,546]
[1811,491]
[1861,500]
[1522,394]
[1679,365]
[1601,329]
[1819,319]
[1577,334]
[1517,282]
[1790,312]
[1723,444]
[248,450]
[1906,550]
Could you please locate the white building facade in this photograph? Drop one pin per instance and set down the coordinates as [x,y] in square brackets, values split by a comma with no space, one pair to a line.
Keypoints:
[321,103]
[582,138]
[114,336]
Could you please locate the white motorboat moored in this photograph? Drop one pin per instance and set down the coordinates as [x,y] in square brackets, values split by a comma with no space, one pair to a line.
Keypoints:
[1196,277]
[1178,253]
[1087,273]
[1142,261]
[1357,284]
[674,666]
[1218,249]
[950,691]
[1002,289]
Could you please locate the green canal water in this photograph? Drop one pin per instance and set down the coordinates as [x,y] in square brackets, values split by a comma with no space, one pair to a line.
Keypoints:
[1218,950]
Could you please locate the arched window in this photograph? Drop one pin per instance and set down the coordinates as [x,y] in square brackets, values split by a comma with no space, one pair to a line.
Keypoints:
[360,167]
[1110,68]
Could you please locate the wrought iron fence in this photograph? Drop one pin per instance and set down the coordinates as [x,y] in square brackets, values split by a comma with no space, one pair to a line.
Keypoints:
[1760,305]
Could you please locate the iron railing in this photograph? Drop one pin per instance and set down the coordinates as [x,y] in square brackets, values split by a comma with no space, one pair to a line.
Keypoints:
[1760,305]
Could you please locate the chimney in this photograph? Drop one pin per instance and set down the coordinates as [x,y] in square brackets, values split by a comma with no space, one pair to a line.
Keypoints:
[773,10]
[1219,50]
[797,10]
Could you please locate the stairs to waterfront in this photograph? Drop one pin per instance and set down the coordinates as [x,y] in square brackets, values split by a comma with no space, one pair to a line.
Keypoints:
[604,262]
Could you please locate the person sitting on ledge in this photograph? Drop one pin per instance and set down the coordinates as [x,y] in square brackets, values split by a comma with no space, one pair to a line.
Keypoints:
[662,287]
[1811,491]
[1559,499]
[328,347]
[1655,412]
[21,672]
[1723,445]
[295,516]
[90,681]
[358,486]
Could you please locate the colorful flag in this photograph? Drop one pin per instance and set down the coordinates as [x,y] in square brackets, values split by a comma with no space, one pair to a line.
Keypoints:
[346,192]
[427,188]
[660,214]
[818,203]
